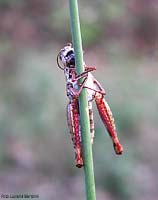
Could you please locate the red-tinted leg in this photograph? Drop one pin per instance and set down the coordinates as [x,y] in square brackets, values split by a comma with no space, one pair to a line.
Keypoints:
[108,120]
[73,124]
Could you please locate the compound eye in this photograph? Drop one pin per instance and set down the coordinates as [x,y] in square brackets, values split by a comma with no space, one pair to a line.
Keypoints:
[69,53]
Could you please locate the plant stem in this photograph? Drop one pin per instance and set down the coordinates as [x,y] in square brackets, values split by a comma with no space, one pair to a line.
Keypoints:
[83,103]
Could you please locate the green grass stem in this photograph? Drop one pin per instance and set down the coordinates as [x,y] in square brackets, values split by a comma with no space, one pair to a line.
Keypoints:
[83,104]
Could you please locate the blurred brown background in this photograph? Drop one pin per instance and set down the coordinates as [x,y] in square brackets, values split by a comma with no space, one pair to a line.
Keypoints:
[120,38]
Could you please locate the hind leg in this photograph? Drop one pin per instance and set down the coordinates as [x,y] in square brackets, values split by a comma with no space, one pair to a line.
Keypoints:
[73,124]
[91,120]
[108,120]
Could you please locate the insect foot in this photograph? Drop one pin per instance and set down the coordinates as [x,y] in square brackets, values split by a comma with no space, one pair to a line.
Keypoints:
[79,160]
[118,147]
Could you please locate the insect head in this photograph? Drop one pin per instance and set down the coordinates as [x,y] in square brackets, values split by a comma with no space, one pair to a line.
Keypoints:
[67,57]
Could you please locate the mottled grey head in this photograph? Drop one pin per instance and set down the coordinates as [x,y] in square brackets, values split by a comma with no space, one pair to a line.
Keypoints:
[67,57]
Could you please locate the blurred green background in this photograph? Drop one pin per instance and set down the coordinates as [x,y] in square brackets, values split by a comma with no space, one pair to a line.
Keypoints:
[120,38]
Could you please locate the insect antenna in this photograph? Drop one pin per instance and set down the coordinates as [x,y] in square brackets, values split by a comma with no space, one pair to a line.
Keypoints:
[61,67]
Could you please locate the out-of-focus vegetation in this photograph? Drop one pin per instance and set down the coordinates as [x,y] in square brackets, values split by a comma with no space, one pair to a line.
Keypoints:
[36,152]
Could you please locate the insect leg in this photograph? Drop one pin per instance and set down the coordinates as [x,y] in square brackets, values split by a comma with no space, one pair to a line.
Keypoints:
[73,124]
[75,92]
[108,120]
[85,73]
[91,120]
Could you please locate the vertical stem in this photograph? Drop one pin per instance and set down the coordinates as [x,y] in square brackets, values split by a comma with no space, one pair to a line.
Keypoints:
[84,114]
